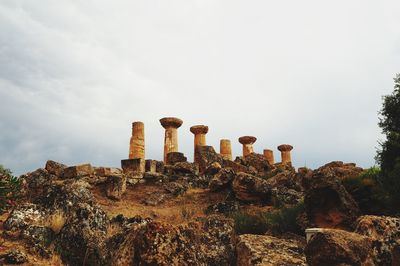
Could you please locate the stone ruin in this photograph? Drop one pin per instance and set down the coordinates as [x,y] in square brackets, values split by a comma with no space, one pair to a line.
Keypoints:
[136,165]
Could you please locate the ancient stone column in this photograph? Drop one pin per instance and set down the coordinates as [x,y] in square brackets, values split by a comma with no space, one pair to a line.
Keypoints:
[136,148]
[171,125]
[247,142]
[225,149]
[269,156]
[285,153]
[199,132]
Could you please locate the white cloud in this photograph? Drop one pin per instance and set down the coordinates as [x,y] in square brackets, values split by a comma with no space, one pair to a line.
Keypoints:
[75,74]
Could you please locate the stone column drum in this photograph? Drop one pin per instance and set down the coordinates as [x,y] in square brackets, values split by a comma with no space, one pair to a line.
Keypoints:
[171,125]
[136,147]
[285,153]
[269,156]
[247,142]
[225,149]
[199,132]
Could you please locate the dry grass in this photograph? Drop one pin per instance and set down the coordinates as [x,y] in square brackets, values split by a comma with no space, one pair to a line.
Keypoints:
[176,210]
[56,221]
[113,229]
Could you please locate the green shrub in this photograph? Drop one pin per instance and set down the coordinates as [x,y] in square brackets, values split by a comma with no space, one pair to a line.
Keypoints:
[285,219]
[368,192]
[246,223]
[279,221]
[9,188]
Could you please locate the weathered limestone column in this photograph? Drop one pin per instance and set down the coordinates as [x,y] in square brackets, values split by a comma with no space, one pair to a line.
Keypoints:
[285,153]
[136,147]
[225,149]
[171,125]
[199,132]
[247,142]
[269,156]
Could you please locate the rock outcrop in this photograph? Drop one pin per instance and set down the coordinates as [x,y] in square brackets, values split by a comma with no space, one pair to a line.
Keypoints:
[250,188]
[222,179]
[257,163]
[385,234]
[328,204]
[205,156]
[155,243]
[254,250]
[338,247]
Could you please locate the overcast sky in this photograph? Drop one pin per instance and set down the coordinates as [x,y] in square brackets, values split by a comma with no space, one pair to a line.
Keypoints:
[311,73]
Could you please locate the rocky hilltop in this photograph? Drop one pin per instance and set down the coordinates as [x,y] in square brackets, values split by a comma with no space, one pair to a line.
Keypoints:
[214,211]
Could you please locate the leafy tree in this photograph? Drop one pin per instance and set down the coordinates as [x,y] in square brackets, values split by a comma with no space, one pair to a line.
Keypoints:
[389,154]
[9,188]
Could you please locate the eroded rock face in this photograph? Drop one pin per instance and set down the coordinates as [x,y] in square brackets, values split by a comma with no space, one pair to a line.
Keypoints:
[23,215]
[385,233]
[328,204]
[35,183]
[55,168]
[251,188]
[182,168]
[116,186]
[155,243]
[268,250]
[256,161]
[14,256]
[175,157]
[343,170]
[338,247]
[206,155]
[83,237]
[222,179]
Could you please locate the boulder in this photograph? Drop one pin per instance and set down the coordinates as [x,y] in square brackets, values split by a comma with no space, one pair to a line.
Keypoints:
[176,188]
[39,239]
[214,168]
[257,162]
[78,171]
[338,247]
[35,183]
[156,243]
[14,256]
[328,204]
[222,179]
[285,177]
[24,215]
[385,233]
[55,168]
[206,156]
[268,250]
[282,195]
[115,186]
[343,170]
[82,240]
[237,167]
[182,168]
[175,157]
[250,188]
